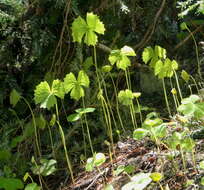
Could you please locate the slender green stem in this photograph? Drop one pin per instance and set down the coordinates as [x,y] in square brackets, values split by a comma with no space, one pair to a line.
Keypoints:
[96,66]
[117,104]
[69,165]
[139,109]
[197,54]
[51,141]
[183,160]
[178,86]
[35,127]
[195,83]
[166,98]
[87,128]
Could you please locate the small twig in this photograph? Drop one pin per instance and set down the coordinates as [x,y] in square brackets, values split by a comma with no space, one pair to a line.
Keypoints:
[95,179]
[151,28]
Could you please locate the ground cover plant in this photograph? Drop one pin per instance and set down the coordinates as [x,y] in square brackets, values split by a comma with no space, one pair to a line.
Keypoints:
[83,107]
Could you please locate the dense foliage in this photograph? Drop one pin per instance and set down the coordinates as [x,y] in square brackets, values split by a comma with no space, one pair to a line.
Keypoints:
[76,76]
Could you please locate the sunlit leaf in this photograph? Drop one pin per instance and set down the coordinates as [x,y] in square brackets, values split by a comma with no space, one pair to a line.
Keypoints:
[140,133]
[185,76]
[125,97]
[147,54]
[89,28]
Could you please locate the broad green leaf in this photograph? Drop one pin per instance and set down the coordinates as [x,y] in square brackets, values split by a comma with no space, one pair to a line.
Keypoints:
[89,164]
[174,65]
[15,141]
[94,23]
[160,52]
[99,159]
[120,57]
[156,177]
[158,67]
[106,68]
[74,117]
[14,97]
[90,38]
[69,82]
[183,26]
[32,186]
[128,51]
[138,182]
[190,107]
[152,122]
[75,86]
[85,110]
[147,54]
[185,76]
[11,183]
[79,28]
[83,79]
[58,88]
[140,133]
[125,97]
[159,131]
[77,92]
[168,68]
[44,96]
[129,169]
[89,28]
[46,168]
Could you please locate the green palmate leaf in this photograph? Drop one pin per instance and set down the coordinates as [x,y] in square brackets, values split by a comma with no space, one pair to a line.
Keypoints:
[32,186]
[147,54]
[185,76]
[125,97]
[191,107]
[89,28]
[75,86]
[128,51]
[160,52]
[120,57]
[14,97]
[158,67]
[79,28]
[10,183]
[45,96]
[58,88]
[88,63]
[159,131]
[94,23]
[69,82]
[83,79]
[109,187]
